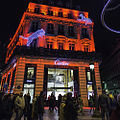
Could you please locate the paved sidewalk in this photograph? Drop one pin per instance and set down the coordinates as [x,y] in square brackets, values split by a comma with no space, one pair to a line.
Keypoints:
[54,115]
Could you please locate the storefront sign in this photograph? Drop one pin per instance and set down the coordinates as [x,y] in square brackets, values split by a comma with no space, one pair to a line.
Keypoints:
[58,62]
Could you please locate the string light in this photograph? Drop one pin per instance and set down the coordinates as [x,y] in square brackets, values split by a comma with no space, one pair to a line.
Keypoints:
[103,15]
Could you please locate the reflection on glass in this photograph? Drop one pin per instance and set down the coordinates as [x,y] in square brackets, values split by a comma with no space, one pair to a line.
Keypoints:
[60,81]
[88,76]
[30,73]
[90,91]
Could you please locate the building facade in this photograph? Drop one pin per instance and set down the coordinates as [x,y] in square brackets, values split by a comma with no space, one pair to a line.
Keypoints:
[110,70]
[51,51]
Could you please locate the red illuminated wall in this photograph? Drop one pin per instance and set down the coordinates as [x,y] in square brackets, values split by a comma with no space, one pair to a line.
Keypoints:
[41,16]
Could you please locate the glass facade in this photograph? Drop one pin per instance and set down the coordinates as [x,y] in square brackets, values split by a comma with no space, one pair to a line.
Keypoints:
[60,81]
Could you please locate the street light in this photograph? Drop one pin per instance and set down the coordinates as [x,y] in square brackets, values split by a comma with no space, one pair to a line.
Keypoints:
[96,112]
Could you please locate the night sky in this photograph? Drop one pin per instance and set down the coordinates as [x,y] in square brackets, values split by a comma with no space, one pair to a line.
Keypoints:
[11,12]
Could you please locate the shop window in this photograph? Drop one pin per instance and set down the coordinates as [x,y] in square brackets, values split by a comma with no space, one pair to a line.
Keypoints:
[71,46]
[50,12]
[86,48]
[71,32]
[3,82]
[34,26]
[60,29]
[37,10]
[49,45]
[60,46]
[60,14]
[50,28]
[12,82]
[84,33]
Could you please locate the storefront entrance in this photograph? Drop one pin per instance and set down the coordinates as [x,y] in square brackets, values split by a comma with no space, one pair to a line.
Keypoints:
[61,81]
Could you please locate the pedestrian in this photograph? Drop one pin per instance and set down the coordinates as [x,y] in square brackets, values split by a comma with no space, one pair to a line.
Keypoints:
[27,106]
[91,103]
[52,102]
[104,104]
[59,102]
[70,109]
[40,103]
[115,115]
[34,109]
[19,106]
[80,103]
[62,107]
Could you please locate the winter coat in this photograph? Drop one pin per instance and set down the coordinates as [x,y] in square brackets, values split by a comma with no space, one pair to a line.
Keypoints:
[19,103]
[62,105]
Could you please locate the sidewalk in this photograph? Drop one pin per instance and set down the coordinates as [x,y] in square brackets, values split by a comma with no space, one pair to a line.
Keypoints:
[54,115]
[87,115]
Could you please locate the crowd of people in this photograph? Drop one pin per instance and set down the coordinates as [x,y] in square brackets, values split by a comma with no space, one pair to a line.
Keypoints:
[68,107]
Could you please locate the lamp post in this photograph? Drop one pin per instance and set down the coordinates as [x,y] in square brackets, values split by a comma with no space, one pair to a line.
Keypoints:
[96,111]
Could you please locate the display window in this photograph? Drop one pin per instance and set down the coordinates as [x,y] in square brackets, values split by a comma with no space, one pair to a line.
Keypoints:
[60,81]
[30,73]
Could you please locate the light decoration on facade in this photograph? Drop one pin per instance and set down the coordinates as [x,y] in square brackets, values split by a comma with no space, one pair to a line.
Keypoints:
[103,15]
[58,62]
[82,18]
[35,35]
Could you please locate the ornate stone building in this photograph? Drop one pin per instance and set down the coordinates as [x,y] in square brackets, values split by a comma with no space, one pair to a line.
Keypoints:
[51,51]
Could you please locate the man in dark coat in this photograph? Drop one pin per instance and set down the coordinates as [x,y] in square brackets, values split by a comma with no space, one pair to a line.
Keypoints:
[104,104]
[70,109]
[40,103]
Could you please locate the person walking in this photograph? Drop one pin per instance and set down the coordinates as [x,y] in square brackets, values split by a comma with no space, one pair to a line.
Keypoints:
[40,103]
[91,104]
[70,110]
[80,103]
[104,104]
[115,115]
[19,106]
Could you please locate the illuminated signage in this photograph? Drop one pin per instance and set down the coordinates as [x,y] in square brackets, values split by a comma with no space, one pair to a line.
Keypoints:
[58,62]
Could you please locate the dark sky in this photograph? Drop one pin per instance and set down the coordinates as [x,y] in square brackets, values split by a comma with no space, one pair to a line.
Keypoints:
[12,11]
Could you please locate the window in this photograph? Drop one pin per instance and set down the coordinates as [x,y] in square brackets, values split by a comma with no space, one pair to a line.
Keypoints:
[86,48]
[50,12]
[50,28]
[71,32]
[71,46]
[70,16]
[60,29]
[84,33]
[34,26]
[60,14]
[60,46]
[49,45]
[37,10]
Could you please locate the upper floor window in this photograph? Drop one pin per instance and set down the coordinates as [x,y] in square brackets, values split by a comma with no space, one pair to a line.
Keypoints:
[37,10]
[60,46]
[70,15]
[49,45]
[60,29]
[71,46]
[84,33]
[60,14]
[34,26]
[86,48]
[50,28]
[50,12]
[71,31]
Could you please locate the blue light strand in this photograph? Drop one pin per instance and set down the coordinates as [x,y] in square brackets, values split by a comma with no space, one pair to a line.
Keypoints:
[103,14]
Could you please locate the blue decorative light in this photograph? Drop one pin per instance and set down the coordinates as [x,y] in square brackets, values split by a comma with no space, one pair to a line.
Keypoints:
[84,19]
[103,14]
[35,35]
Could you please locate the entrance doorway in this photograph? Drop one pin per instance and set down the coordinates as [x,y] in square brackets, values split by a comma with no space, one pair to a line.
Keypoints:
[61,81]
